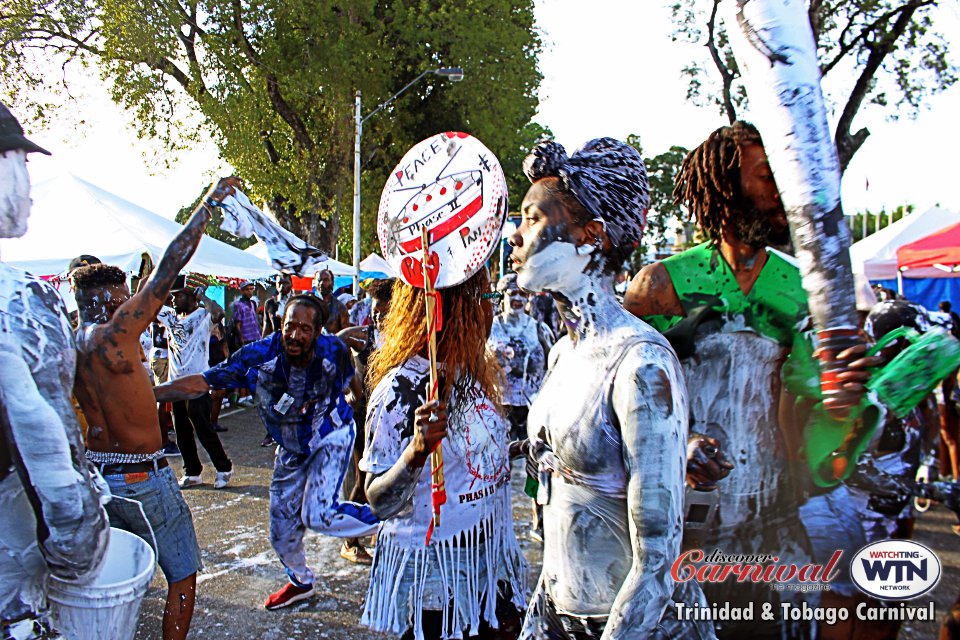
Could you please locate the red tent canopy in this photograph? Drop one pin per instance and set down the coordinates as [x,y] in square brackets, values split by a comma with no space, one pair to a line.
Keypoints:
[940,249]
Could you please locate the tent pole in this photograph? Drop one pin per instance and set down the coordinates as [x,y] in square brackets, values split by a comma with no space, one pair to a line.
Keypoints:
[900,281]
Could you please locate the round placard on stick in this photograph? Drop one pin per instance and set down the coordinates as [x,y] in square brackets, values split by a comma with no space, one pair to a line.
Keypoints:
[454,186]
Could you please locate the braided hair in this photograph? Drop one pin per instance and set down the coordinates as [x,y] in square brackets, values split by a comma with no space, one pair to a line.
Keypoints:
[708,183]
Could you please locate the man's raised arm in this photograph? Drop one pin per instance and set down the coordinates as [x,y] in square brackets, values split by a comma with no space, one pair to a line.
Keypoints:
[136,314]
[213,308]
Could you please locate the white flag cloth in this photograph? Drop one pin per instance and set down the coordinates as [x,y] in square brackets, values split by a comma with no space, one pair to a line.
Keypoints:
[287,252]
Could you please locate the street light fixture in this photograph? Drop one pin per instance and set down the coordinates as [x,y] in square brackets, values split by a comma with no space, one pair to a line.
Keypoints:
[454,74]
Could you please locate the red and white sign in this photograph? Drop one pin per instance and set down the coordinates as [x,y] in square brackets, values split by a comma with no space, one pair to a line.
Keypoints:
[454,186]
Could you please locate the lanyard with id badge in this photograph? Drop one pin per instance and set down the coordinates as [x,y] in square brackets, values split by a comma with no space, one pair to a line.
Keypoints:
[283,404]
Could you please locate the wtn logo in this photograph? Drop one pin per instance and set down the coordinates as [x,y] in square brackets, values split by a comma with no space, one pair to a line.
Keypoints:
[903,570]
[895,569]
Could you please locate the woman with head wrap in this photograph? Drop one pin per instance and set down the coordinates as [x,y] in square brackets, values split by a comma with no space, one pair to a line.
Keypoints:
[609,427]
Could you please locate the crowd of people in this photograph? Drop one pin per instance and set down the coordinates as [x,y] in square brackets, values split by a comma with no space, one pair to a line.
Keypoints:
[622,402]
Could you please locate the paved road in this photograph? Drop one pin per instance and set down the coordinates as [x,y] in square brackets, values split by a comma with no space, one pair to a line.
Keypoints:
[240,569]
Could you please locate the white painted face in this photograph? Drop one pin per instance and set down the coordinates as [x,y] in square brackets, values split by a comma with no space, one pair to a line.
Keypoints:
[513,301]
[14,194]
[557,267]
[545,253]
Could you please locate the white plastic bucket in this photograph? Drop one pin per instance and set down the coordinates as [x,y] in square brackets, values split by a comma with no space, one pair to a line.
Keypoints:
[109,606]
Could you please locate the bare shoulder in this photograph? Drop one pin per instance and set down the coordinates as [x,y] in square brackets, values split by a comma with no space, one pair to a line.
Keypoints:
[649,379]
[651,293]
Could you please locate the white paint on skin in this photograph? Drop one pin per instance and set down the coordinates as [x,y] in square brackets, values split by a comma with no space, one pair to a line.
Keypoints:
[550,268]
[614,412]
[15,196]
[36,374]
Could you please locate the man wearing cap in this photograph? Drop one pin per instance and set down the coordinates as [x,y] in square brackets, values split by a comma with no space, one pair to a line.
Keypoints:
[124,435]
[338,318]
[83,260]
[245,315]
[51,521]
[188,328]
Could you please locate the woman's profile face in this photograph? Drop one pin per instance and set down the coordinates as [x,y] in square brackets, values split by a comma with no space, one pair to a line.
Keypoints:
[546,239]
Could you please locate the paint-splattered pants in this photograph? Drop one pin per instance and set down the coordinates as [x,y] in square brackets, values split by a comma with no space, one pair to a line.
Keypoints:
[304,494]
[23,572]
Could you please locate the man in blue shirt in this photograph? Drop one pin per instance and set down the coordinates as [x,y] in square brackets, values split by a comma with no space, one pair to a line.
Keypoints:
[298,376]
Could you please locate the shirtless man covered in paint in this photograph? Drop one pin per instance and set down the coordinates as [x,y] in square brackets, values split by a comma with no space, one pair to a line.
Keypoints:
[116,395]
[609,427]
[51,521]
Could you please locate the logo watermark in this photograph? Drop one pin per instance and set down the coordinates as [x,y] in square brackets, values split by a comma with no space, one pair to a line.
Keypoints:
[895,569]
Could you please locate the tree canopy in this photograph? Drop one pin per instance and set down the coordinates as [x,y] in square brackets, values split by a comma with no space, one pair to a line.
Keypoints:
[664,215]
[275,82]
[884,53]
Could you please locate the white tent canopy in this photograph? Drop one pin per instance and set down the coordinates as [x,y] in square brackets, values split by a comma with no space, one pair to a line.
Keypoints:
[376,263]
[876,255]
[338,268]
[70,217]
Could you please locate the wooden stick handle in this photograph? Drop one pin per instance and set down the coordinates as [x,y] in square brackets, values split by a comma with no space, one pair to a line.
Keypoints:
[436,457]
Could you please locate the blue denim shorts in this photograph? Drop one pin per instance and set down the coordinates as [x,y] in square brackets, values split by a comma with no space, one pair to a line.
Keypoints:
[169,515]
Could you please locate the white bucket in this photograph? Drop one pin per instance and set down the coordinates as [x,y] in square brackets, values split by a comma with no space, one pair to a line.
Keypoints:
[109,606]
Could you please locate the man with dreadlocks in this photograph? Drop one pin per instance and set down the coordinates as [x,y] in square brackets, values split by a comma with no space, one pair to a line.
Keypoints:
[736,304]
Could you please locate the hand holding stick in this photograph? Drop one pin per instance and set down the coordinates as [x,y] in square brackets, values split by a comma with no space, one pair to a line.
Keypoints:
[438,486]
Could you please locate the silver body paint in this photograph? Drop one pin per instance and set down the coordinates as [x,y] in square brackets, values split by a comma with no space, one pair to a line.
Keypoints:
[777,55]
[515,340]
[37,361]
[733,386]
[15,196]
[614,411]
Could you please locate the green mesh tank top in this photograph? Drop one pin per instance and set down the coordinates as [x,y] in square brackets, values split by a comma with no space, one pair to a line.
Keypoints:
[774,308]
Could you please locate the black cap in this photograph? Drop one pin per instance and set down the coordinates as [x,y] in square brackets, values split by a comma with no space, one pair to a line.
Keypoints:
[11,134]
[83,260]
[179,284]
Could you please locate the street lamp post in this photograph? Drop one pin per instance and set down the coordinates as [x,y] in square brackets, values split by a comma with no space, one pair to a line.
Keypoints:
[454,74]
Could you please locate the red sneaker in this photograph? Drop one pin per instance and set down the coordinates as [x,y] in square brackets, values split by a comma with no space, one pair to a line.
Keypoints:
[288,595]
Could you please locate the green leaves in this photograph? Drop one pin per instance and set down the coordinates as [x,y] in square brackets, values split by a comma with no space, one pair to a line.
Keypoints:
[884,53]
[275,80]
[664,215]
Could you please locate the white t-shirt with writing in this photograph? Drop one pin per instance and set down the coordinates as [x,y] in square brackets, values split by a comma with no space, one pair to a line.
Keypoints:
[476,521]
[188,341]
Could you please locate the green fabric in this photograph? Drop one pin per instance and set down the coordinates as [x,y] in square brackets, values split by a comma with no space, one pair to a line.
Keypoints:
[899,385]
[531,486]
[774,307]
[831,447]
[916,371]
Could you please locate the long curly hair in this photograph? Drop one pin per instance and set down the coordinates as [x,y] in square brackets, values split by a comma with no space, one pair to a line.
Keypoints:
[461,344]
[708,183]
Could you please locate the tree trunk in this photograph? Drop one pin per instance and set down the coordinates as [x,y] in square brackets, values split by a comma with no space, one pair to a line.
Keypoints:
[312,227]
